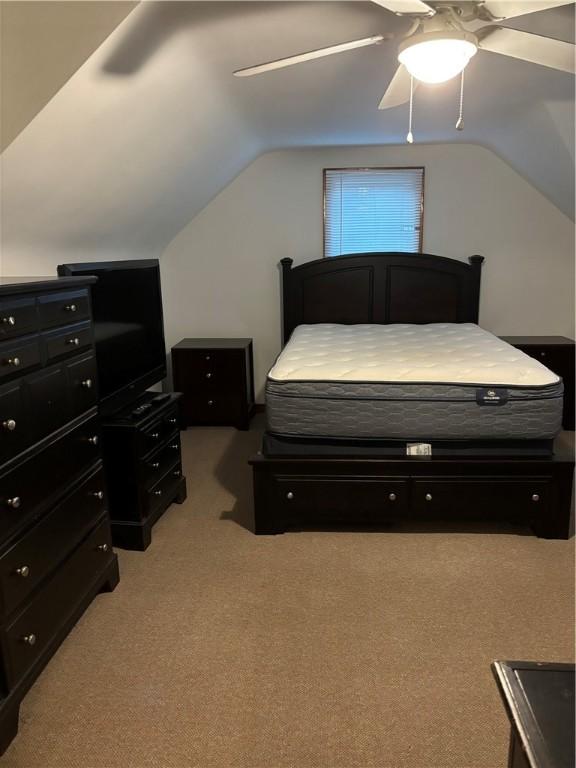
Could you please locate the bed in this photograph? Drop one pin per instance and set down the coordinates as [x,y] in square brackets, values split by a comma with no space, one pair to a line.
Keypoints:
[387,387]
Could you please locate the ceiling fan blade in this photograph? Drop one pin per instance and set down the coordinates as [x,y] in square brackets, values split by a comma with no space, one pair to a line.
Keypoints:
[522,45]
[310,55]
[402,7]
[508,9]
[398,91]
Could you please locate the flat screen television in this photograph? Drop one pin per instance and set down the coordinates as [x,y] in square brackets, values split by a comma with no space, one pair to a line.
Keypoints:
[128,327]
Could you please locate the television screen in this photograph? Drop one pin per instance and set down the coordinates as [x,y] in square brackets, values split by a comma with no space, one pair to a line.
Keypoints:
[128,326]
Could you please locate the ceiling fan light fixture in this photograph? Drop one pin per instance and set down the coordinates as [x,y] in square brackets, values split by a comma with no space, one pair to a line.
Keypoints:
[438,56]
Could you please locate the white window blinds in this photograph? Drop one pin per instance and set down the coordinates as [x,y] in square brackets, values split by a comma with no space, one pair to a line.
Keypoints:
[372,209]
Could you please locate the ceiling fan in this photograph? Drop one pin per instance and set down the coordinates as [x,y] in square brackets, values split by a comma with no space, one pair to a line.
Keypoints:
[438,45]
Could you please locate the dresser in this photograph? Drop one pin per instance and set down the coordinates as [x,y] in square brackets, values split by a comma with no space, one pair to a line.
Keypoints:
[556,353]
[216,379]
[55,539]
[143,462]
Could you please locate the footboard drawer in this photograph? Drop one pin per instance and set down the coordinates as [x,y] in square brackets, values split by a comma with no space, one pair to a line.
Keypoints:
[468,498]
[357,499]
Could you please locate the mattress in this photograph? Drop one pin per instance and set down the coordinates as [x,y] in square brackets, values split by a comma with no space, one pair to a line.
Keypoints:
[416,383]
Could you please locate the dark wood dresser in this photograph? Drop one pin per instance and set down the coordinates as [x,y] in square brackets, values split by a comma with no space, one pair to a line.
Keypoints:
[55,541]
[556,353]
[143,465]
[216,379]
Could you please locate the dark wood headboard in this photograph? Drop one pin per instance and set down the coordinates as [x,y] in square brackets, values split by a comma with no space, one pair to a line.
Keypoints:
[380,288]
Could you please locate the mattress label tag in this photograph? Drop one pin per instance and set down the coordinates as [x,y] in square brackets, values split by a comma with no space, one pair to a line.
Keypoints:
[491,396]
[418,449]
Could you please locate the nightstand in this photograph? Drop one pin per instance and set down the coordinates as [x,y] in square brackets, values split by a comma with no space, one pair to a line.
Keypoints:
[216,379]
[556,353]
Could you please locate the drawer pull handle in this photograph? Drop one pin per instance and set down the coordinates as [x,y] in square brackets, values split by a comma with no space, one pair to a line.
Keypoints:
[208,375]
[210,402]
[155,435]
[14,361]
[87,383]
[23,571]
[392,496]
[10,320]
[157,493]
[93,440]
[428,497]
[175,447]
[9,424]
[542,354]
[97,494]
[14,502]
[535,497]
[75,341]
[70,307]
[289,495]
[207,357]
[29,639]
[176,473]
[155,464]
[172,421]
[102,547]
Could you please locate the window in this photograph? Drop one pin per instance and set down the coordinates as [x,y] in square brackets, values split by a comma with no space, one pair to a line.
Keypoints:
[368,210]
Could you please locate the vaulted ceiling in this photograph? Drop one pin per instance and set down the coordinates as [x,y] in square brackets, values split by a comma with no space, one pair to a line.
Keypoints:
[153,124]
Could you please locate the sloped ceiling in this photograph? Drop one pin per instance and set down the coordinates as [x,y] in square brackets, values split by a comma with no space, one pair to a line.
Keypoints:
[153,125]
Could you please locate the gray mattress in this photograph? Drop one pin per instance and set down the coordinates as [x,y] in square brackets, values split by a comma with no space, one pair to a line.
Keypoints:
[412,412]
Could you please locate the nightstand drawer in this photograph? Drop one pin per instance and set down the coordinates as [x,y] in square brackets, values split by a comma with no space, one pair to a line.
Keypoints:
[156,465]
[164,487]
[48,543]
[212,408]
[29,635]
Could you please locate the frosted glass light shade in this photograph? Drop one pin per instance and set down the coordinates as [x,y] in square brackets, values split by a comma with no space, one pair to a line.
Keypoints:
[435,61]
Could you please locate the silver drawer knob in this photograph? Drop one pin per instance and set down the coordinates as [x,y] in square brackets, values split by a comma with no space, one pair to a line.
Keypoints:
[103,547]
[155,435]
[10,320]
[428,497]
[155,464]
[75,341]
[175,447]
[9,424]
[70,307]
[535,497]
[93,440]
[172,421]
[87,383]
[157,493]
[542,354]
[210,402]
[98,494]
[14,361]
[392,496]
[289,495]
[23,571]
[29,639]
[176,473]
[14,502]
[208,375]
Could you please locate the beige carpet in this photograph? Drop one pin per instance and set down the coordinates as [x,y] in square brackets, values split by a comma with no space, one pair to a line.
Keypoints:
[308,650]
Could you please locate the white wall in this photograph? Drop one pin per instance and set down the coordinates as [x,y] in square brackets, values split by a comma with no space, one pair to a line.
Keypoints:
[220,275]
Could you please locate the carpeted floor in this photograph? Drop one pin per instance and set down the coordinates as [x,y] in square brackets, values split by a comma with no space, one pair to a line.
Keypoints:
[308,650]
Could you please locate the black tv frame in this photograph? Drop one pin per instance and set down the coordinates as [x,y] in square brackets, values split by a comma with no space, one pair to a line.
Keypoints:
[128,394]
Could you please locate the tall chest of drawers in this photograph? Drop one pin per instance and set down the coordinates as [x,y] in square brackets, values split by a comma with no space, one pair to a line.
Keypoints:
[55,541]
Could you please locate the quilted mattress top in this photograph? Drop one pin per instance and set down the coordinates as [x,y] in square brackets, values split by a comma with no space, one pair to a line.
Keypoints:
[443,353]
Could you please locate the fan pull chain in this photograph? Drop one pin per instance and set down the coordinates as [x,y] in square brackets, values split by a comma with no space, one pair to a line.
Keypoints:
[460,121]
[410,136]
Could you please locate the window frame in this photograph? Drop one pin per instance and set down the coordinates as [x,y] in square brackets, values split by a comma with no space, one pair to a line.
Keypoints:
[374,168]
